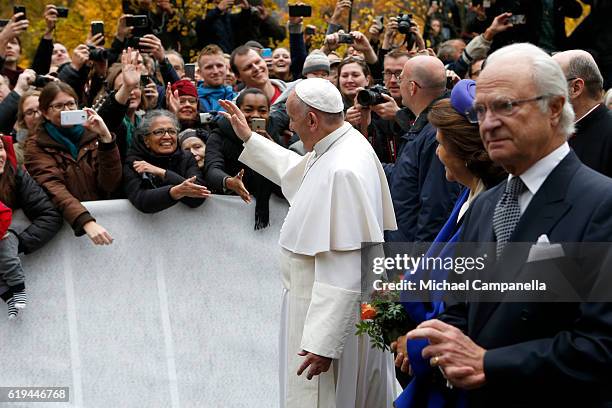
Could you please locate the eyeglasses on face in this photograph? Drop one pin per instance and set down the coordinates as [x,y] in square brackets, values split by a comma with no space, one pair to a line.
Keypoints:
[162,131]
[392,74]
[502,106]
[31,112]
[70,105]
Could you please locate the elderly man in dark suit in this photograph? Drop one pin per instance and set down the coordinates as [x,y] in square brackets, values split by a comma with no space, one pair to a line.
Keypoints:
[528,354]
[592,140]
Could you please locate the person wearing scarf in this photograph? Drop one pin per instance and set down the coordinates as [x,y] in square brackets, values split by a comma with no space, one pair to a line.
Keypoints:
[73,163]
[466,161]
[157,172]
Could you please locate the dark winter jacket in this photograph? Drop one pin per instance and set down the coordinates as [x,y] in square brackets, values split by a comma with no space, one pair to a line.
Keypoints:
[422,197]
[45,219]
[151,194]
[94,175]
[221,161]
[8,112]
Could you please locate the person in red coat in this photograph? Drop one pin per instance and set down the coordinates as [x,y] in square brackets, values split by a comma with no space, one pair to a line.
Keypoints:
[11,271]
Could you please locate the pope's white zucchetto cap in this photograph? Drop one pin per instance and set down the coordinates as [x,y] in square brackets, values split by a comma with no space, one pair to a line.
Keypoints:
[320,94]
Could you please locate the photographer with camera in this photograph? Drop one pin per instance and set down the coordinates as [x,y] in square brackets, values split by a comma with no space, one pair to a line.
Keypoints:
[422,197]
[10,44]
[389,121]
[354,39]
[158,20]
[340,14]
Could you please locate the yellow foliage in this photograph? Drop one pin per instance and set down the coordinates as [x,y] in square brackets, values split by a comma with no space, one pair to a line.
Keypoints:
[74,29]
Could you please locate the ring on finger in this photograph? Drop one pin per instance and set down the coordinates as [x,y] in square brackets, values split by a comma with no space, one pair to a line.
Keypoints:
[435,360]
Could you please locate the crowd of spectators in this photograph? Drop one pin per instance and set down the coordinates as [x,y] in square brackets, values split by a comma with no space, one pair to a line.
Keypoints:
[150,129]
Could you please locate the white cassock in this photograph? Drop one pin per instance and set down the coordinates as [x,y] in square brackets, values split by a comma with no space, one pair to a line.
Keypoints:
[339,198]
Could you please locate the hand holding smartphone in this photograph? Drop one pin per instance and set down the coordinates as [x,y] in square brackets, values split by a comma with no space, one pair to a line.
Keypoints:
[73,117]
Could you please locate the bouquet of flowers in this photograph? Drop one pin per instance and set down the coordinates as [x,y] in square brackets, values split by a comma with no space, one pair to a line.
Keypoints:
[384,319]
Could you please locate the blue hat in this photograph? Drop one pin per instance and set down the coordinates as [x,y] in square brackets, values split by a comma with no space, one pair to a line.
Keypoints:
[462,99]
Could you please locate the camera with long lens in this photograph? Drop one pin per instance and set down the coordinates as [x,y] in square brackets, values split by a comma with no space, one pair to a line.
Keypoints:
[97,54]
[372,96]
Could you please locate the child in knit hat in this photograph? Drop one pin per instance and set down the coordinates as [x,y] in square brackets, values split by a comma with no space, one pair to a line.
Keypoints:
[11,272]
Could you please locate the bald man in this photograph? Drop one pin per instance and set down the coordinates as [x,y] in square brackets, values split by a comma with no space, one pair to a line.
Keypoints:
[422,197]
[592,140]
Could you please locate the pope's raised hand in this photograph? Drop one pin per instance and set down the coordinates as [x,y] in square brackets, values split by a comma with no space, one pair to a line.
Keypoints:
[237,119]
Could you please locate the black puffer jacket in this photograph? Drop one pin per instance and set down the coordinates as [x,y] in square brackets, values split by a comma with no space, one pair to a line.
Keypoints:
[221,160]
[46,219]
[151,194]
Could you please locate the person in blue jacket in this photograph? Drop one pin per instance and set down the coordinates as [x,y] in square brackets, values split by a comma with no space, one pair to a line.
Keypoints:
[422,197]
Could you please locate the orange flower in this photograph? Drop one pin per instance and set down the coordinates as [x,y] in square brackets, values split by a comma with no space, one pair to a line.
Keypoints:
[368,312]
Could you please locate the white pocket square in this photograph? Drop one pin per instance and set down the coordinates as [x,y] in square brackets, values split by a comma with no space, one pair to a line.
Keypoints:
[543,250]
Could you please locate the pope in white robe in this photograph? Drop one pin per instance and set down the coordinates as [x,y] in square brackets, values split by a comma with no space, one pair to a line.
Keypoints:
[339,198]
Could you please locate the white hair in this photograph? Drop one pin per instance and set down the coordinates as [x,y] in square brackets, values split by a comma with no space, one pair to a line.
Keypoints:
[547,76]
[608,97]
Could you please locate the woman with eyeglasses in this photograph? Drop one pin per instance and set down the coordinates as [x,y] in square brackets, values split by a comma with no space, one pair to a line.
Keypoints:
[466,161]
[73,163]
[157,172]
[28,117]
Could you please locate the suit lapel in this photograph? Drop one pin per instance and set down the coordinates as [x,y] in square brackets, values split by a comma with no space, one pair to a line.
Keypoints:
[543,213]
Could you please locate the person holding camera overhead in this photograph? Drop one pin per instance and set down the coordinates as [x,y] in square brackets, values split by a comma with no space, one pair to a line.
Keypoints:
[378,108]
[10,44]
[73,163]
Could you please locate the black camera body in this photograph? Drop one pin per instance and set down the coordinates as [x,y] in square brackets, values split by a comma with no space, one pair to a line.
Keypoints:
[372,96]
[345,39]
[300,10]
[138,21]
[133,42]
[41,81]
[97,54]
[404,23]
[62,12]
